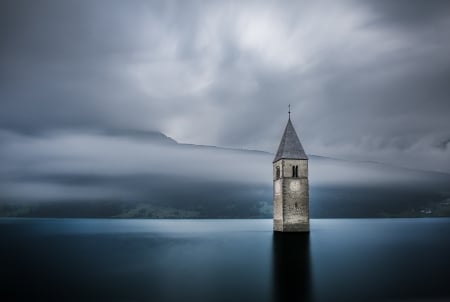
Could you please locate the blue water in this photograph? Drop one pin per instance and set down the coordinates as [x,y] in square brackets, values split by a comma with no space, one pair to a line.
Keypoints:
[223,260]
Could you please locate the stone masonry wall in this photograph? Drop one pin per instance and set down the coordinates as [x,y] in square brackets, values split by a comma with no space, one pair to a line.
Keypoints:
[291,197]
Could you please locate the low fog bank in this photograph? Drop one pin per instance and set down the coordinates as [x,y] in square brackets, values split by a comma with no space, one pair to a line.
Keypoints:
[131,174]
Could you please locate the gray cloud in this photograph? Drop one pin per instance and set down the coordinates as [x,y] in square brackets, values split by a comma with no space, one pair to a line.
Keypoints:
[367,79]
[407,14]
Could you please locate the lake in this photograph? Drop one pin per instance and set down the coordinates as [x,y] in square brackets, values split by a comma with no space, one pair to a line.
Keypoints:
[224,260]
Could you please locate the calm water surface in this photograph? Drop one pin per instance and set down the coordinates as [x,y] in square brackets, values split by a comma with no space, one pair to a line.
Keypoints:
[224,260]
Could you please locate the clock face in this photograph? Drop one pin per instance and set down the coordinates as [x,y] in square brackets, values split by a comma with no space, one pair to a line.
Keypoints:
[295,185]
[277,187]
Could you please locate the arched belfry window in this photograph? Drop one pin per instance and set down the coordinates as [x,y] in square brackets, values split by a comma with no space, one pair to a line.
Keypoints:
[278,172]
[294,171]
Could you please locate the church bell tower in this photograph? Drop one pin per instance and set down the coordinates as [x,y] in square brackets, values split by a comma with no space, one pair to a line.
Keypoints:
[290,184]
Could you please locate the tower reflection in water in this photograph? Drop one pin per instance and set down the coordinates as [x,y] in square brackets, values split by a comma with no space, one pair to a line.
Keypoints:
[291,267]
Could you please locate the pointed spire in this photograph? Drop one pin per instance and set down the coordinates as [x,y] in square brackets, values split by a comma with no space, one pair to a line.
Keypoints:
[290,146]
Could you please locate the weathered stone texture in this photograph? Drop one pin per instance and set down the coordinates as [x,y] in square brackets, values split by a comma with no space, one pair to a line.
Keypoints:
[278,200]
[291,196]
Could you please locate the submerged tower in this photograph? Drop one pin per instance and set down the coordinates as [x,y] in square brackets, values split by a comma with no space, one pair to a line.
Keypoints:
[290,184]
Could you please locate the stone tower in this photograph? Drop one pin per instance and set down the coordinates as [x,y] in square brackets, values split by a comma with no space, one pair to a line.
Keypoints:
[290,184]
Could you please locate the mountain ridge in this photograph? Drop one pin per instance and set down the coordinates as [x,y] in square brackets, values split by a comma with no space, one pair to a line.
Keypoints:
[150,175]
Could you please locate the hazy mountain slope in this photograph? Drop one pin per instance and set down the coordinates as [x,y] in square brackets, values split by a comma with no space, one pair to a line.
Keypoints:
[128,174]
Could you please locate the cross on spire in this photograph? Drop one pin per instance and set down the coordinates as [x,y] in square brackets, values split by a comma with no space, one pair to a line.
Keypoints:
[289,111]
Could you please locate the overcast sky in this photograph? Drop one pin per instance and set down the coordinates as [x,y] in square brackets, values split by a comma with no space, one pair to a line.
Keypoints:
[366,79]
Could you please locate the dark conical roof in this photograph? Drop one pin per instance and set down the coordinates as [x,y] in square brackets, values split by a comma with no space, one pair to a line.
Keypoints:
[290,146]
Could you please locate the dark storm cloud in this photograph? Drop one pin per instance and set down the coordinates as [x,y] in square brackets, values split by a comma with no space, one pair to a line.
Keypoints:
[64,65]
[407,13]
[367,79]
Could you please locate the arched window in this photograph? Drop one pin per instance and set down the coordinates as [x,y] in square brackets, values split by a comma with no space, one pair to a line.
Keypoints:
[278,172]
[294,171]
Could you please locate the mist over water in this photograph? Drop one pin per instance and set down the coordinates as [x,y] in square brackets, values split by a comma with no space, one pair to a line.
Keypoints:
[223,260]
[151,168]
